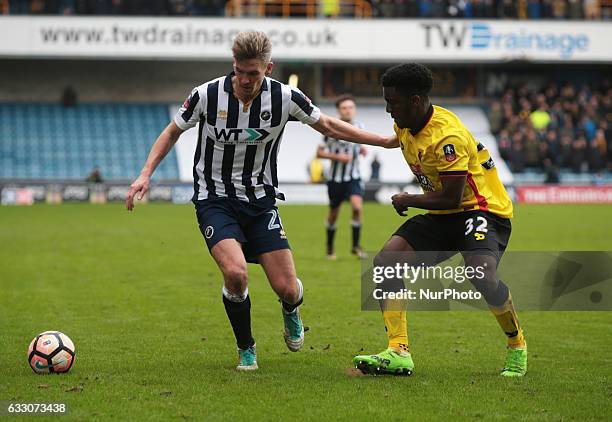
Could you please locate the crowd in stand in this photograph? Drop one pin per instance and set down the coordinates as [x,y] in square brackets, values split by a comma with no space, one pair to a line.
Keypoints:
[481,9]
[117,7]
[492,9]
[563,127]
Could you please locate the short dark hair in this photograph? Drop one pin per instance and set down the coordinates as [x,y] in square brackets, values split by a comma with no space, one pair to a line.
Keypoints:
[343,98]
[409,79]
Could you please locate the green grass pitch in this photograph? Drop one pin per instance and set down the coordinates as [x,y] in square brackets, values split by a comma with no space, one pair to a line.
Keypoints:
[141,298]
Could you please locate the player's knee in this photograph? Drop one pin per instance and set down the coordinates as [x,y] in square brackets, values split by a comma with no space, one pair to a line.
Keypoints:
[289,290]
[485,278]
[235,278]
[380,260]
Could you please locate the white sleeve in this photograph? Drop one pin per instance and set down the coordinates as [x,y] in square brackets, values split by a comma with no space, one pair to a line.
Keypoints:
[302,108]
[189,114]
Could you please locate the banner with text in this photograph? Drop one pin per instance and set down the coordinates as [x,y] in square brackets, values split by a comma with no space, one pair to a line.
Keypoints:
[564,194]
[300,39]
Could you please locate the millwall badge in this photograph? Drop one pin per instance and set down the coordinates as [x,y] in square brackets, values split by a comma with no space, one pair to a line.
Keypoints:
[449,152]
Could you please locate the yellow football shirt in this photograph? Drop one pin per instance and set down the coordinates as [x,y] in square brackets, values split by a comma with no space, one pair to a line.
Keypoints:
[443,147]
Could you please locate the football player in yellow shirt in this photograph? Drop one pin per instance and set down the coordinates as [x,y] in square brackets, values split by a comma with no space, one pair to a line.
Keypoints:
[469,212]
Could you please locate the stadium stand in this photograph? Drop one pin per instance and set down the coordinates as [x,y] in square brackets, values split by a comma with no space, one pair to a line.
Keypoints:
[546,131]
[554,128]
[470,9]
[49,141]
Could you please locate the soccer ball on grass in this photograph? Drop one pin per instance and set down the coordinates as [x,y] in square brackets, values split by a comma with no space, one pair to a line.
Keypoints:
[51,352]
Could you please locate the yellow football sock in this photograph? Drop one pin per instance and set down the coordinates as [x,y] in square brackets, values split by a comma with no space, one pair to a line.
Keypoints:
[397,331]
[508,321]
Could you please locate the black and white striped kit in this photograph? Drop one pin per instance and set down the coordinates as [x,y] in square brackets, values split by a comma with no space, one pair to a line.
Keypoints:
[237,149]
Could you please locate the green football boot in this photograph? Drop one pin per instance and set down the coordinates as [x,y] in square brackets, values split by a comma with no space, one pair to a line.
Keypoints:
[294,329]
[247,359]
[386,362]
[516,363]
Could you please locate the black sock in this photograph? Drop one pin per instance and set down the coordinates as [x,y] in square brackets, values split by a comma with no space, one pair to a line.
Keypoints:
[288,307]
[356,234]
[239,314]
[331,232]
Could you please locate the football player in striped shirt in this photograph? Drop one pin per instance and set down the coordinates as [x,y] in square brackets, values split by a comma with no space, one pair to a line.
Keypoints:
[343,178]
[469,212]
[241,118]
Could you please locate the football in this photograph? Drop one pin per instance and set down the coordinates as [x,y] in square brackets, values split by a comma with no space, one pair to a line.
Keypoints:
[51,352]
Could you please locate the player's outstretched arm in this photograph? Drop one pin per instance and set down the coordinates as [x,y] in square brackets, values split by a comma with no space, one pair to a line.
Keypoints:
[336,128]
[164,143]
[448,198]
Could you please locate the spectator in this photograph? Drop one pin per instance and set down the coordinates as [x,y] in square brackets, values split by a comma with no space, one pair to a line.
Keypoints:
[330,8]
[532,149]
[69,97]
[207,8]
[597,152]
[95,176]
[481,8]
[551,171]
[575,10]
[457,9]
[504,145]
[588,126]
[506,9]
[591,9]
[552,144]
[566,150]
[177,7]
[375,167]
[496,117]
[547,9]
[540,118]
[517,162]
[534,9]
[579,147]
[559,8]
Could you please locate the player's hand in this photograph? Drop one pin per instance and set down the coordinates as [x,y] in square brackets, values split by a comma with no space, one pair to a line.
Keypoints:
[138,190]
[400,203]
[344,158]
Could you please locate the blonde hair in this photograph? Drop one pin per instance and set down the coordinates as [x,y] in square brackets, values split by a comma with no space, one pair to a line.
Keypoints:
[252,45]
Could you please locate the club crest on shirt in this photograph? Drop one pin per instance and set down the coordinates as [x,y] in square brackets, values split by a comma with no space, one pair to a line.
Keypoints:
[265,115]
[449,152]
[222,115]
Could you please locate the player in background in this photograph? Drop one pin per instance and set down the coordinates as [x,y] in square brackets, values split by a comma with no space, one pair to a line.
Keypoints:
[469,212]
[344,178]
[241,119]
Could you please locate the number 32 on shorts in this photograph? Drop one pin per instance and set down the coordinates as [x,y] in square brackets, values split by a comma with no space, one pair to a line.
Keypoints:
[481,227]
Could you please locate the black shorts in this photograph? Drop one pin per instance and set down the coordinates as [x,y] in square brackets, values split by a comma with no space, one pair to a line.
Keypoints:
[472,232]
[256,225]
[342,191]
